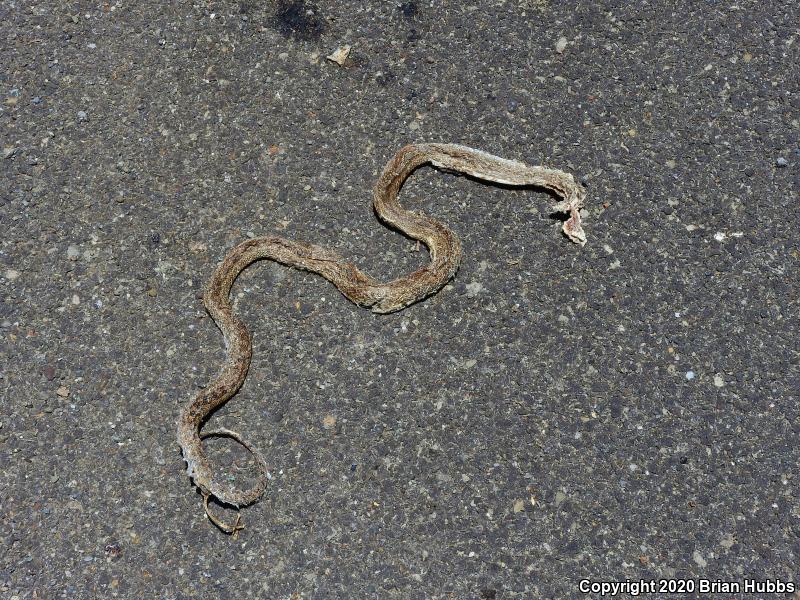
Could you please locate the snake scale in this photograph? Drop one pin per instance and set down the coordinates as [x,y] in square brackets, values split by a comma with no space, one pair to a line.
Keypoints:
[380,297]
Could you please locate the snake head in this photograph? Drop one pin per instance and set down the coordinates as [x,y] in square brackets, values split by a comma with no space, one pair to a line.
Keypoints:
[572,228]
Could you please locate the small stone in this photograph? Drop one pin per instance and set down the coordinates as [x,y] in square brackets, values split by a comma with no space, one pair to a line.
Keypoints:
[73,253]
[82,116]
[698,558]
[63,391]
[329,422]
[113,551]
[152,292]
[519,506]
[76,299]
[718,381]
[37,100]
[689,375]
[49,372]
[473,289]
[11,274]
[561,45]
[339,56]
[781,162]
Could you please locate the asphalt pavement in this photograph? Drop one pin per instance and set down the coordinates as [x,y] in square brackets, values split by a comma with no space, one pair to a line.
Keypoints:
[556,418]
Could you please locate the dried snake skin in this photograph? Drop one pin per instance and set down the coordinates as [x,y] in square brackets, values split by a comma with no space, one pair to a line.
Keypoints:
[360,288]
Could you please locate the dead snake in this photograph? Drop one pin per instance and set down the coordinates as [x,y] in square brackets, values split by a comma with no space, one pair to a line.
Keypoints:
[358,287]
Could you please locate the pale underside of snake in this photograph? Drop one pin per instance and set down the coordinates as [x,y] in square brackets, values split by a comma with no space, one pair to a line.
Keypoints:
[445,256]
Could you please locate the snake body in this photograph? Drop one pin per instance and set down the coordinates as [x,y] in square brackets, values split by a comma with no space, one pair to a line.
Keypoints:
[445,256]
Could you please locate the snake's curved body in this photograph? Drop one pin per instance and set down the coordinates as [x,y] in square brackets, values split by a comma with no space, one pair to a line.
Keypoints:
[360,288]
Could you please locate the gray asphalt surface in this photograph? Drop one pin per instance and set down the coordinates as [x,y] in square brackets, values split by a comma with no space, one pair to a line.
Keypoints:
[626,410]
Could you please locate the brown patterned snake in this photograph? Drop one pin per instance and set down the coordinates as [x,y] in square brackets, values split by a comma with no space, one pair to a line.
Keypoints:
[445,255]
